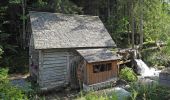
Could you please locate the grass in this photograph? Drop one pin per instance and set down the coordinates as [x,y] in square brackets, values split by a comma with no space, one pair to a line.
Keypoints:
[138,92]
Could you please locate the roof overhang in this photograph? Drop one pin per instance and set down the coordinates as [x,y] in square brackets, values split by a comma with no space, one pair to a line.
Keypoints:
[98,55]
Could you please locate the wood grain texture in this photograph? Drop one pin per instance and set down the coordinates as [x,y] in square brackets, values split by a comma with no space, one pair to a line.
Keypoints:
[54,68]
[93,78]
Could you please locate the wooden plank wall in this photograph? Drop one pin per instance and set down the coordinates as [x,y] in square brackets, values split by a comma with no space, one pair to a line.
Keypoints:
[53,72]
[58,68]
[93,78]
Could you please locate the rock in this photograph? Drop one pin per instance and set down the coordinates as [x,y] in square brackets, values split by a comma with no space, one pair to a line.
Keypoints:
[121,83]
[18,82]
[164,83]
[160,67]
[146,81]
[164,77]
[121,93]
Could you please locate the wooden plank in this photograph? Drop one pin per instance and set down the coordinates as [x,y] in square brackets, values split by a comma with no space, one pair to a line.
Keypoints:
[54,84]
[53,79]
[123,62]
[60,55]
[56,50]
[68,69]
[55,68]
[55,72]
[54,58]
[54,75]
[62,77]
[40,66]
[54,65]
[93,78]
[47,79]
[56,53]
[55,62]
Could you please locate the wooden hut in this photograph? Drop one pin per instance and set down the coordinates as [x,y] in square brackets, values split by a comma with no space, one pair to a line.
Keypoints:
[59,43]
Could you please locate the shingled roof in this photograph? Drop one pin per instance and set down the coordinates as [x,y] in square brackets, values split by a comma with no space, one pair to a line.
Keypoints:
[98,55]
[55,30]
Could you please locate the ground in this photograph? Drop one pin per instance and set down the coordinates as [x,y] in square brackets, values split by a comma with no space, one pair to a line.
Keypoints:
[67,94]
[21,80]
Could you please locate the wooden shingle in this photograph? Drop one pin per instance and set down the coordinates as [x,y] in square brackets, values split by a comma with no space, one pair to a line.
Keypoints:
[55,30]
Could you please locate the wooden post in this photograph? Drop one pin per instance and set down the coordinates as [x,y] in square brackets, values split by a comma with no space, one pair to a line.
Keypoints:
[23,22]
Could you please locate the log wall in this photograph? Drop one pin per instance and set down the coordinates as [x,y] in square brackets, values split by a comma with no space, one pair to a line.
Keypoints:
[57,68]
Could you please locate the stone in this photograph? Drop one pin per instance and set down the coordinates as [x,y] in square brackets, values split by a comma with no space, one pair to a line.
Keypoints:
[164,83]
[164,77]
[121,93]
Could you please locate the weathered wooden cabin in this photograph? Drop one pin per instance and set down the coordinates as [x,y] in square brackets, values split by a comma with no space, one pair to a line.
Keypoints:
[60,44]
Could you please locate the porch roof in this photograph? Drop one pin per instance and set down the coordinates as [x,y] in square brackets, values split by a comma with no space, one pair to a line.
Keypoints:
[98,55]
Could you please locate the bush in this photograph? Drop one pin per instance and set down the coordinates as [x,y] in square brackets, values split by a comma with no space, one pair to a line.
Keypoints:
[155,57]
[98,96]
[128,74]
[149,92]
[8,91]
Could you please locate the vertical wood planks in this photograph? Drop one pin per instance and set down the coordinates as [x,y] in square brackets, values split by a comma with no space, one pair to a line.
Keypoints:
[93,78]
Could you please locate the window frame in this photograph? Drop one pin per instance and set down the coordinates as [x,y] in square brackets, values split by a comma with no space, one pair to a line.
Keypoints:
[103,67]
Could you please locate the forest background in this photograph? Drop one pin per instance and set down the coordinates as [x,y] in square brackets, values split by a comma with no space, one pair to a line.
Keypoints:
[145,23]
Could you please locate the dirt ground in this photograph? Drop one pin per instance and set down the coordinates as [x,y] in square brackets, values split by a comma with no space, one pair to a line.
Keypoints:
[60,95]
[21,80]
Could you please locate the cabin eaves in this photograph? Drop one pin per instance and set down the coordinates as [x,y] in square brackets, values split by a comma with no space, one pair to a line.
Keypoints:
[98,55]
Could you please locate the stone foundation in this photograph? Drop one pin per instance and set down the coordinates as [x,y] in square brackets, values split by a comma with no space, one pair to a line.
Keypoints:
[98,86]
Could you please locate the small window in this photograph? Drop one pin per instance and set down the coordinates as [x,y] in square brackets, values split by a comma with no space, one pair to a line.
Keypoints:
[102,67]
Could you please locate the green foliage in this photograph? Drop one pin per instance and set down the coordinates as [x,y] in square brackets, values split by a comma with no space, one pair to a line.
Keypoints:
[119,33]
[3,75]
[17,62]
[98,96]
[128,74]
[166,49]
[1,51]
[60,6]
[68,7]
[156,20]
[149,92]
[138,92]
[15,1]
[8,91]
[39,4]
[156,57]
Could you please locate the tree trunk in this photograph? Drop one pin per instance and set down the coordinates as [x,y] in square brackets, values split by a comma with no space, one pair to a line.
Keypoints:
[141,23]
[108,7]
[23,23]
[133,27]
[128,27]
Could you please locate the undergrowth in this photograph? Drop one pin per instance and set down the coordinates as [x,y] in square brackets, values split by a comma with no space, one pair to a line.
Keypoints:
[128,74]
